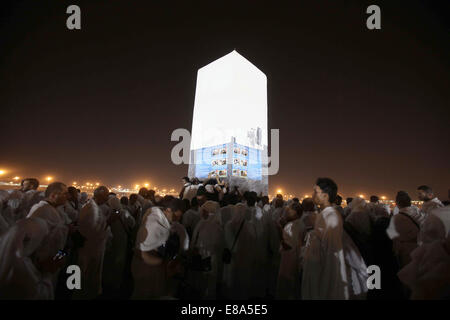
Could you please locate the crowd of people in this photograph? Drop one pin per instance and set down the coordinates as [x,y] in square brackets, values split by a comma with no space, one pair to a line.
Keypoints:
[215,241]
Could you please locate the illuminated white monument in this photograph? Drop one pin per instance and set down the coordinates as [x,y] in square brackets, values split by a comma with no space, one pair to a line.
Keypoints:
[229,127]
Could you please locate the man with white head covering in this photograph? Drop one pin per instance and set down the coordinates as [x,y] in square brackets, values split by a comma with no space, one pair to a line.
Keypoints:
[94,227]
[208,242]
[404,228]
[427,275]
[430,202]
[153,264]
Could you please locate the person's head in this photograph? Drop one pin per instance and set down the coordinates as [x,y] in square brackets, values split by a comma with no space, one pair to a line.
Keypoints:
[338,200]
[209,207]
[143,192]
[325,192]
[201,195]
[101,195]
[294,211]
[124,201]
[151,195]
[250,198]
[185,180]
[72,194]
[265,200]
[297,200]
[187,204]
[348,200]
[194,203]
[279,196]
[56,193]
[29,184]
[133,199]
[403,199]
[374,199]
[173,208]
[279,203]
[425,193]
[308,205]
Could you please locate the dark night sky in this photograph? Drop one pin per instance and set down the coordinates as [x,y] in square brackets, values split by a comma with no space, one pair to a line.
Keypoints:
[369,109]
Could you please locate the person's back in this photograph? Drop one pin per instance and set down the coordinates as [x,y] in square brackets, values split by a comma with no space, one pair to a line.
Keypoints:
[20,274]
[238,274]
[404,228]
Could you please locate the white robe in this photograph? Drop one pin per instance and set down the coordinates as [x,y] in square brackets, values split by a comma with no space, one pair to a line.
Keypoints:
[19,277]
[56,238]
[93,227]
[333,268]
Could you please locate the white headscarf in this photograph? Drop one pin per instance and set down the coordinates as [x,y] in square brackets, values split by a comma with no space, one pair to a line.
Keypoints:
[154,231]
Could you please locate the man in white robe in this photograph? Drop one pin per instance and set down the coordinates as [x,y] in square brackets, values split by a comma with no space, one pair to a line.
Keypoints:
[333,267]
[430,202]
[94,227]
[56,238]
[152,271]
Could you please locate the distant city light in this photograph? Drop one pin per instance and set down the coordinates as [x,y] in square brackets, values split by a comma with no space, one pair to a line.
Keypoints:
[361,196]
[16,178]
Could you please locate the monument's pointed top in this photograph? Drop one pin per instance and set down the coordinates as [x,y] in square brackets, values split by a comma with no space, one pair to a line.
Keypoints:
[233,60]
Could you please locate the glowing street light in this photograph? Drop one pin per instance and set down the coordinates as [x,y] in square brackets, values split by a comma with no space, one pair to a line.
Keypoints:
[279,191]
[97,184]
[49,179]
[383,197]
[16,178]
[2,172]
[361,196]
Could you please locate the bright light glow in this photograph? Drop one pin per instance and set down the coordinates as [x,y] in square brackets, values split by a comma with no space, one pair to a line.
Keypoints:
[49,179]
[136,186]
[361,196]
[279,191]
[383,197]
[97,184]
[2,172]
[16,178]
[146,185]
[235,89]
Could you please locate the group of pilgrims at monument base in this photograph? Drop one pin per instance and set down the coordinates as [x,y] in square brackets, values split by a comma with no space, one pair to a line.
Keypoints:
[214,241]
